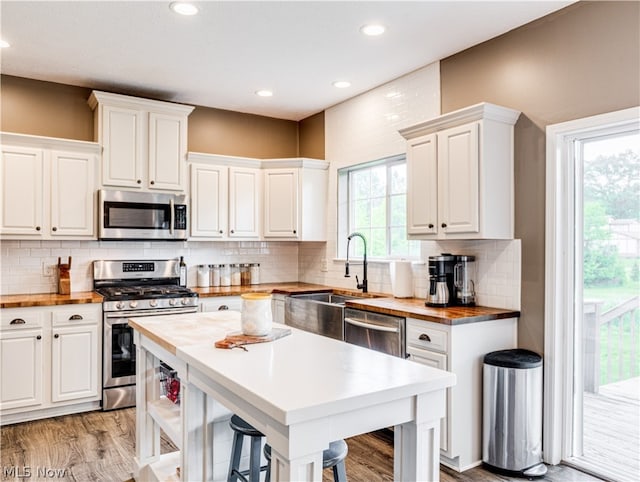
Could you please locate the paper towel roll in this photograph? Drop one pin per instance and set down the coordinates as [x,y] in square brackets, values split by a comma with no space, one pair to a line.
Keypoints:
[401,279]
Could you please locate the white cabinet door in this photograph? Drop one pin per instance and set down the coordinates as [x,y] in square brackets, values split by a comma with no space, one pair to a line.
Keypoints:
[74,362]
[167,151]
[21,367]
[422,186]
[458,164]
[281,203]
[124,146]
[244,202]
[209,202]
[220,303]
[72,194]
[22,191]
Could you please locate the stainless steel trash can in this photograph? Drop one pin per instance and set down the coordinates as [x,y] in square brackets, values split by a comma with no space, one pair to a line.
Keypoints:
[512,413]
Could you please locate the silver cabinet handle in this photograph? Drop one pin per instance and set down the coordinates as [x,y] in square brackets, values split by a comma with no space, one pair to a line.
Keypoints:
[223,307]
[17,321]
[424,337]
[76,317]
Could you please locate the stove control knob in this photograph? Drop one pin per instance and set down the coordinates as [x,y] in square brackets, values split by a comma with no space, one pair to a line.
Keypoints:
[185,301]
[172,302]
[133,304]
[153,303]
[119,305]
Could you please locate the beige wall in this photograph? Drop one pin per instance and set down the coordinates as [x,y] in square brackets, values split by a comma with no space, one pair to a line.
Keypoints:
[580,61]
[58,110]
[311,136]
[45,109]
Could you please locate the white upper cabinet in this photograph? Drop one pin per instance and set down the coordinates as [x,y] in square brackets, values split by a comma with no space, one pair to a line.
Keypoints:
[22,190]
[295,199]
[460,175]
[144,141]
[226,195]
[209,201]
[48,188]
[245,189]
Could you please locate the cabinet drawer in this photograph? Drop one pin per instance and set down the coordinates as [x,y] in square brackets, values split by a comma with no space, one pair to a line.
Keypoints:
[423,336]
[75,316]
[18,319]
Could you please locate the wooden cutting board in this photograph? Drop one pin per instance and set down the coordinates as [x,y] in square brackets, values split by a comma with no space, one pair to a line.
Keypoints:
[238,340]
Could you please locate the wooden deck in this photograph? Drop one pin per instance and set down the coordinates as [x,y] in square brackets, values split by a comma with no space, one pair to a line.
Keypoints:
[612,431]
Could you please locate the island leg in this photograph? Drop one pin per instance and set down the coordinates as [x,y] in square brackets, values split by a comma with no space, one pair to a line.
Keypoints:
[417,443]
[306,468]
[147,431]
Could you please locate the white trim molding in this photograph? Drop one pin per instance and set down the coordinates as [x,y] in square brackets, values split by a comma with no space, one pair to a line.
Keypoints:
[560,273]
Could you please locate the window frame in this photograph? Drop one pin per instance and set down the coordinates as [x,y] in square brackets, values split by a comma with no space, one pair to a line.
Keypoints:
[345,207]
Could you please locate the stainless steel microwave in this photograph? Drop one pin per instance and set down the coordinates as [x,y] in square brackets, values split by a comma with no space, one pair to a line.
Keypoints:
[130,215]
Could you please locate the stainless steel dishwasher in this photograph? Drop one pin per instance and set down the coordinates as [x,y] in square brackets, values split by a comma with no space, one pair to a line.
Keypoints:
[379,332]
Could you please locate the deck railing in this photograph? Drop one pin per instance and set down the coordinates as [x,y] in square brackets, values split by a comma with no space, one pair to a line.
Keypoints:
[610,343]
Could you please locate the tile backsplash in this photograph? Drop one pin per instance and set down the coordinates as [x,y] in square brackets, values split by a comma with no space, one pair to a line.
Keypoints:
[497,263]
[30,266]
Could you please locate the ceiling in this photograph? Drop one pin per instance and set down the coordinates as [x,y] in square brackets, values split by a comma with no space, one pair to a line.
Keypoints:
[222,56]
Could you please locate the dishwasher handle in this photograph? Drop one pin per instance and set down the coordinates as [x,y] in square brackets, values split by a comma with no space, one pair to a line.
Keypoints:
[369,326]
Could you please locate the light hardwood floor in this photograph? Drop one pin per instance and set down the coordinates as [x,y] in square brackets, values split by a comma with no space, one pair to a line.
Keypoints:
[99,446]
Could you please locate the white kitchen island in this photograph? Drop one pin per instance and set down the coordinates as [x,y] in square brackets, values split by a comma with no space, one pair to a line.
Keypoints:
[302,391]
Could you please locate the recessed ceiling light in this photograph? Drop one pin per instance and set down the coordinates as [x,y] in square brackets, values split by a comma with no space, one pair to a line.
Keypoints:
[183,8]
[4,44]
[372,29]
[264,93]
[342,84]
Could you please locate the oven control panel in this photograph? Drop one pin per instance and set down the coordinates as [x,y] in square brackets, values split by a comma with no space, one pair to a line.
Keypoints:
[137,267]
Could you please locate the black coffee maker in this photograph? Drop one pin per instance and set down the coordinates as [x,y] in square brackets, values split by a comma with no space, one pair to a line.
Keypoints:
[441,287]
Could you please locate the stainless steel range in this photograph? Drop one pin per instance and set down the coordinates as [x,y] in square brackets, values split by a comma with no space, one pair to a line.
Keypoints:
[133,289]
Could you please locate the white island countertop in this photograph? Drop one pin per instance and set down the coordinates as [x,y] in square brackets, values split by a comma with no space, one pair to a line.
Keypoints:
[305,390]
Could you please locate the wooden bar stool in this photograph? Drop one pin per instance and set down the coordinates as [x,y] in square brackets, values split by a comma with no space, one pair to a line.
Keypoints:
[332,457]
[240,430]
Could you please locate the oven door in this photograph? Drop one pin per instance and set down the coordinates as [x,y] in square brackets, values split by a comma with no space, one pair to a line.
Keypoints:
[135,215]
[119,354]
[119,351]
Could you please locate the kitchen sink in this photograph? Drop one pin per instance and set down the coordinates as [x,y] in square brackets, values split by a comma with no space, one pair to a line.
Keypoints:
[321,313]
[326,298]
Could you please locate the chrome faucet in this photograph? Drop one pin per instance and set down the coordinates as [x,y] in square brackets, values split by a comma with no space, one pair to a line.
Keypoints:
[364,285]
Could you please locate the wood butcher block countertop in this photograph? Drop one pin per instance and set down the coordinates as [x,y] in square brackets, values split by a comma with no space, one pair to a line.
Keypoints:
[376,302]
[49,299]
[415,308]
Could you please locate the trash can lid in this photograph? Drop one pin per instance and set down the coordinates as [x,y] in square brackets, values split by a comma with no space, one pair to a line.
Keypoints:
[516,358]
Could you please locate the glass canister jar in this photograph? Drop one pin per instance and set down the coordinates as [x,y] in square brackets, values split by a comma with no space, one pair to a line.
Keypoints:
[255,273]
[256,318]
[235,274]
[203,276]
[245,274]
[214,275]
[225,275]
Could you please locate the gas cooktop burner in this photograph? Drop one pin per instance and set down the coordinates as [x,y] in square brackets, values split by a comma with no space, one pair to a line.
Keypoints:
[138,292]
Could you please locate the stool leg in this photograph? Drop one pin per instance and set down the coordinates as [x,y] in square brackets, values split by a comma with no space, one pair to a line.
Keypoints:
[254,459]
[236,452]
[339,472]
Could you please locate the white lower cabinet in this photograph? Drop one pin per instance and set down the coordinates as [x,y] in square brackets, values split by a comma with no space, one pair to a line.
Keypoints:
[460,349]
[50,361]
[219,303]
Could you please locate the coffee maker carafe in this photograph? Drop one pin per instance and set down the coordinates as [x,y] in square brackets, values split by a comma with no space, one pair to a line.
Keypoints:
[441,280]
[464,275]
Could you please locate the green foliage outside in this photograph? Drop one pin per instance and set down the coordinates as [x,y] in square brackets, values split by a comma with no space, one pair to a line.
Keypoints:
[612,192]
